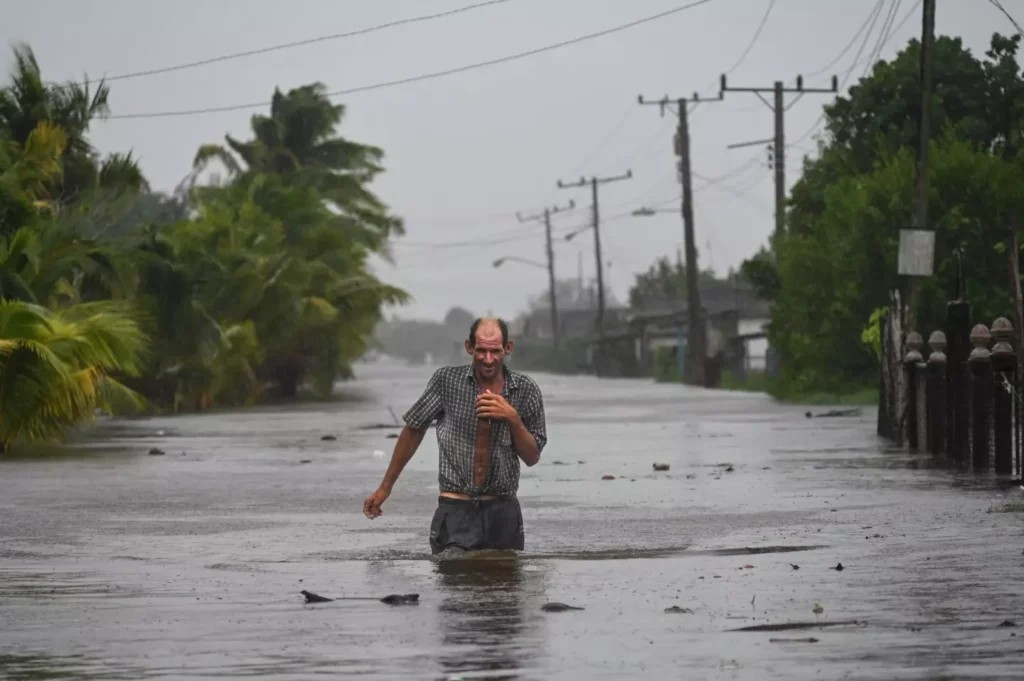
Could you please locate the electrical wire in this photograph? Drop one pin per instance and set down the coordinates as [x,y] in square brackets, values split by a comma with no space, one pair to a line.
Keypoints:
[884,39]
[753,41]
[521,236]
[1008,16]
[853,40]
[421,77]
[710,87]
[297,43]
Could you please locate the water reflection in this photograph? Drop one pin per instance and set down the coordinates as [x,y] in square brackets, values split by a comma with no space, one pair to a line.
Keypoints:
[483,617]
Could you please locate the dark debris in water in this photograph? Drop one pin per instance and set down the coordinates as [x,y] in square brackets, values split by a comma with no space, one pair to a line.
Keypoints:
[679,610]
[390,599]
[799,626]
[558,607]
[809,639]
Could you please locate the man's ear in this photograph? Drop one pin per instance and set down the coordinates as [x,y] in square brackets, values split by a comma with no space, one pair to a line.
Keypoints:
[508,347]
[469,347]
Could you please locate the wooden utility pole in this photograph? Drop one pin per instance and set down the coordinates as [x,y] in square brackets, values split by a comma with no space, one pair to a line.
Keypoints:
[599,322]
[696,335]
[920,215]
[546,216]
[779,158]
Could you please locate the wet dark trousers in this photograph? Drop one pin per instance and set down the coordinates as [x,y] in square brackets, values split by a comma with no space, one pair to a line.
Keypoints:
[475,525]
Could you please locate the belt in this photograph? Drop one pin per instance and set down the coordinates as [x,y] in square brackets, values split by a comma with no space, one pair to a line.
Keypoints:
[465,497]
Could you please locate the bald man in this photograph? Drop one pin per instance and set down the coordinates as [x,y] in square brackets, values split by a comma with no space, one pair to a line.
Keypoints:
[488,419]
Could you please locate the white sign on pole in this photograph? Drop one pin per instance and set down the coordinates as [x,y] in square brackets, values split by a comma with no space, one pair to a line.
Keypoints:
[917,252]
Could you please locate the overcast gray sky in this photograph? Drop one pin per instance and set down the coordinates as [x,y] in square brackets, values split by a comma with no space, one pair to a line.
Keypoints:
[466,151]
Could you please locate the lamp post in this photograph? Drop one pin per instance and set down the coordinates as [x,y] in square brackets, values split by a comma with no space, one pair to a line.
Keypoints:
[512,258]
[695,323]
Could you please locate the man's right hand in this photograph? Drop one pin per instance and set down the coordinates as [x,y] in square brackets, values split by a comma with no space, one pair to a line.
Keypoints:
[371,507]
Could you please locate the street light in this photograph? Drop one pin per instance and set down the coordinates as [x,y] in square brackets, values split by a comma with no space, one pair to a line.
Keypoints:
[500,261]
[571,235]
[644,211]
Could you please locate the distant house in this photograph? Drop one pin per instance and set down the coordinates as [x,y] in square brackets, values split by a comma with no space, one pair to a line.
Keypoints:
[735,325]
[573,323]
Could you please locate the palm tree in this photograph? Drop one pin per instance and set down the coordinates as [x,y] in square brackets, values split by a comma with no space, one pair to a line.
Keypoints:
[298,142]
[58,367]
[28,101]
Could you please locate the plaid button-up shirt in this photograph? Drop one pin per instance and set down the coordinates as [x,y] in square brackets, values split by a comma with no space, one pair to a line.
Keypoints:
[450,399]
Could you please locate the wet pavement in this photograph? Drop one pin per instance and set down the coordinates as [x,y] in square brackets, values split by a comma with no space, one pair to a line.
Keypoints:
[115,564]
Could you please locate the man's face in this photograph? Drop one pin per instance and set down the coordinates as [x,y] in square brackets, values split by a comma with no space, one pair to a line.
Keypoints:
[488,352]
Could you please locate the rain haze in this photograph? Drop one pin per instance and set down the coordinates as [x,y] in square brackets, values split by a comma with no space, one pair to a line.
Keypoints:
[465,152]
[218,460]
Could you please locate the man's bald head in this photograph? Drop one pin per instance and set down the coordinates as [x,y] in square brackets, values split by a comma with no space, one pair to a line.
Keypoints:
[490,326]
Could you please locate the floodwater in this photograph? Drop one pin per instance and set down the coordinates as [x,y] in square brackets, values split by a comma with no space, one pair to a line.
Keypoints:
[119,565]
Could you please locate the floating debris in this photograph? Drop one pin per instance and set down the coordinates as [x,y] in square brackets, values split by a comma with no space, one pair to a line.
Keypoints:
[328,438]
[315,598]
[607,477]
[799,626]
[835,413]
[661,466]
[679,610]
[809,639]
[558,607]
[390,599]
[156,452]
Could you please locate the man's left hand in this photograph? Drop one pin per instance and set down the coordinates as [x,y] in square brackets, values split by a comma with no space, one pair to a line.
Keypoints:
[491,406]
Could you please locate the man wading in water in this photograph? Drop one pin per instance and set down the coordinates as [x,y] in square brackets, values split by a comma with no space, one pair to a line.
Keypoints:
[488,417]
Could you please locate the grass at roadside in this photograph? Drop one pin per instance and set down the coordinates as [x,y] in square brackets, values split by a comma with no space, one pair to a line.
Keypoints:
[757,381]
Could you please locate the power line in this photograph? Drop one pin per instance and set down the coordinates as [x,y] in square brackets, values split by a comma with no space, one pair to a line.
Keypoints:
[473,246]
[874,13]
[297,43]
[849,44]
[1008,16]
[753,41]
[425,76]
[746,50]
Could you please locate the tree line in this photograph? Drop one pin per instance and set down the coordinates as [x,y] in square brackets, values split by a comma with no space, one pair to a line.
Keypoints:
[834,267]
[114,297]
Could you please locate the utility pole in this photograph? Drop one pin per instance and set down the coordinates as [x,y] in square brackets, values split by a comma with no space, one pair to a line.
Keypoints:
[920,214]
[779,158]
[696,335]
[594,182]
[546,216]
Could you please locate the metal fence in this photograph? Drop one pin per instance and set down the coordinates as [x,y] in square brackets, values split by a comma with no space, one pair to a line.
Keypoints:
[963,399]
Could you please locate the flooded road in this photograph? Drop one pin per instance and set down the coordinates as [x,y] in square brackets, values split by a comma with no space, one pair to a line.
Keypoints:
[115,564]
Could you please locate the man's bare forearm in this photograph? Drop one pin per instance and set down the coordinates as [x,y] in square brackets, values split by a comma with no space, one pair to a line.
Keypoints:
[525,442]
[408,442]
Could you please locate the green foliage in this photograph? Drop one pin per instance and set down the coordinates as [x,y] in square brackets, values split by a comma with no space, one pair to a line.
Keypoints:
[871,336]
[212,296]
[664,281]
[665,365]
[762,272]
[836,265]
[58,366]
